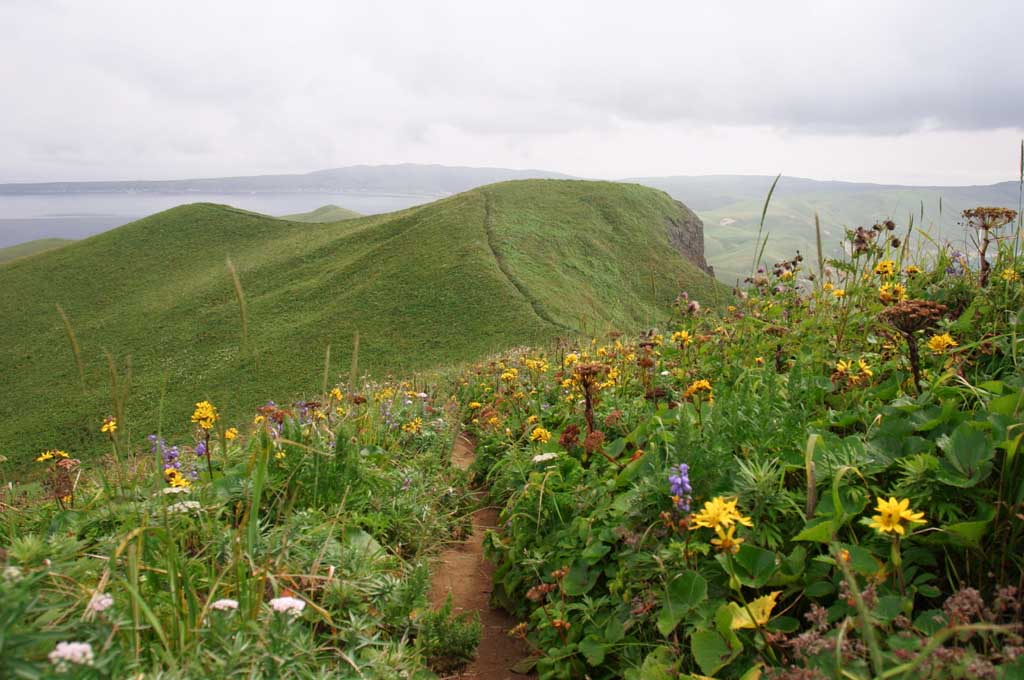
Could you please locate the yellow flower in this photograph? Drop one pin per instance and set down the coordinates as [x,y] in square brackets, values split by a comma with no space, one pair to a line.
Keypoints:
[727,541]
[205,415]
[759,361]
[699,386]
[231,433]
[50,455]
[786,275]
[911,270]
[892,292]
[843,366]
[532,420]
[827,286]
[474,405]
[538,365]
[682,338]
[885,268]
[839,293]
[719,512]
[865,369]
[938,344]
[541,435]
[570,359]
[1010,275]
[258,420]
[510,375]
[336,394]
[280,455]
[892,514]
[175,479]
[414,426]
[109,425]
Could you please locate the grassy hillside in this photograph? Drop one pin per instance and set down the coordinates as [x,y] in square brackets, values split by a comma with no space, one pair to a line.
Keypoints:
[507,264]
[31,248]
[325,213]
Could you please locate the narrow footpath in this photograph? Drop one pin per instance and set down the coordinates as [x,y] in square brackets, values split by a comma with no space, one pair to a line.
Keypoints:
[462,571]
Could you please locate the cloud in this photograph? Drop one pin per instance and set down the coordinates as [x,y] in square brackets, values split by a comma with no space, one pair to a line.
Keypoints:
[123,89]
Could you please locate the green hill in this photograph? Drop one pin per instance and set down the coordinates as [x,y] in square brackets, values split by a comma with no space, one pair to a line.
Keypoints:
[507,264]
[31,248]
[325,213]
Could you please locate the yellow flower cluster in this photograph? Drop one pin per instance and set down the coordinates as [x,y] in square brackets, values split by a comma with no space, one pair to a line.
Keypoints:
[682,338]
[912,270]
[570,359]
[50,455]
[697,387]
[474,405]
[860,374]
[510,375]
[892,514]
[938,344]
[109,425]
[414,426]
[205,415]
[538,365]
[541,435]
[892,292]
[885,268]
[336,394]
[175,479]
[231,433]
[721,515]
[1010,275]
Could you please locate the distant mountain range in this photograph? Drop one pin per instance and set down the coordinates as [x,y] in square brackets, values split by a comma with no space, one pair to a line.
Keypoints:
[730,205]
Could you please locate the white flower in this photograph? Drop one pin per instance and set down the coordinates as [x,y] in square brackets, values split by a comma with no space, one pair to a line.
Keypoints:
[79,653]
[226,605]
[176,489]
[12,574]
[185,506]
[666,373]
[101,602]
[422,395]
[288,605]
[545,457]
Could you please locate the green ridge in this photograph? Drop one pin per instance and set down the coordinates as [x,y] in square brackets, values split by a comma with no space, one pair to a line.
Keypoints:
[423,287]
[325,213]
[31,248]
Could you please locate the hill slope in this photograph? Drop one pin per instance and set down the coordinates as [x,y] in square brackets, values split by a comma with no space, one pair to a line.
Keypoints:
[31,248]
[325,213]
[508,264]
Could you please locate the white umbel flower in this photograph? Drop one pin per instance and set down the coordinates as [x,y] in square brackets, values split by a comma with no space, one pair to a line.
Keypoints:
[101,602]
[545,457]
[185,507]
[78,653]
[225,605]
[288,605]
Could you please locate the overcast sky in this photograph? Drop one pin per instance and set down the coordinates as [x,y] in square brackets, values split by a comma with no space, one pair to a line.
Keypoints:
[894,91]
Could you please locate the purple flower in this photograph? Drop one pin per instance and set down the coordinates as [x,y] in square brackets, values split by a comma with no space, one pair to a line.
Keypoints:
[201,449]
[679,483]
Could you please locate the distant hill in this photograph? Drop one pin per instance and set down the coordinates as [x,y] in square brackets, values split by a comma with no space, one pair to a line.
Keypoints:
[731,205]
[516,263]
[403,179]
[326,213]
[31,248]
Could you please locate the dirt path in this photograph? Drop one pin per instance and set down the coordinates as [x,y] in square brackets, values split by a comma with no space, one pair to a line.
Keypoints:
[462,571]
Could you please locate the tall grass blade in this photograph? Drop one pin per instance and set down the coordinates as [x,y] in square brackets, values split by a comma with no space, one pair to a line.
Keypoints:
[75,350]
[327,369]
[817,240]
[241,306]
[760,228]
[354,369]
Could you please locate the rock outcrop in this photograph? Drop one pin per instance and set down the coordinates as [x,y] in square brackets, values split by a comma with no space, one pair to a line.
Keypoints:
[686,234]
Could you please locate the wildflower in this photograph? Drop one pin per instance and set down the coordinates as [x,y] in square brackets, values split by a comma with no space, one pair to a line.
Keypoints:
[510,375]
[50,455]
[231,433]
[201,449]
[865,368]
[337,396]
[759,361]
[544,457]
[184,507]
[205,415]
[541,435]
[11,574]
[911,270]
[697,387]
[224,605]
[109,425]
[287,605]
[885,268]
[538,365]
[532,420]
[570,359]
[827,286]
[175,490]
[1010,275]
[892,514]
[892,292]
[839,293]
[682,338]
[259,420]
[679,486]
[175,478]
[414,426]
[101,602]
[280,455]
[786,275]
[474,405]
[938,344]
[719,512]
[726,540]
[77,653]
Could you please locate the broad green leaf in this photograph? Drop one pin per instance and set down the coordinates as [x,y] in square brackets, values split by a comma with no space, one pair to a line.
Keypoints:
[683,594]
[820,531]
[710,651]
[968,457]
[593,649]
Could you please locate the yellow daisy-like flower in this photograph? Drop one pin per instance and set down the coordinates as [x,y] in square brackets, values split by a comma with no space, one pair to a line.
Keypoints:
[892,292]
[231,433]
[414,426]
[474,405]
[892,514]
[570,359]
[697,387]
[865,369]
[839,293]
[336,394]
[510,375]
[911,270]
[205,415]
[827,286]
[682,338]
[541,435]
[726,540]
[938,344]
[719,512]
[843,366]
[109,425]
[759,361]
[259,420]
[532,420]
[885,268]
[50,455]
[1010,275]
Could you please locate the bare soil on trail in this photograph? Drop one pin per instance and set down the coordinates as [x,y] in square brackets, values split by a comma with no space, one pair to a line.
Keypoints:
[462,571]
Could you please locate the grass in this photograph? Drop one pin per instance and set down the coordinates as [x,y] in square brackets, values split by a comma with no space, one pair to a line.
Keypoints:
[422,288]
[325,213]
[31,248]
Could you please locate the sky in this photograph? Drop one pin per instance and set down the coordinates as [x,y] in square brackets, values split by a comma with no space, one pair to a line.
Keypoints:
[916,92]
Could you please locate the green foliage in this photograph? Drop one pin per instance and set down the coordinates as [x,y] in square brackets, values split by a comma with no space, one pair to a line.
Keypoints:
[448,641]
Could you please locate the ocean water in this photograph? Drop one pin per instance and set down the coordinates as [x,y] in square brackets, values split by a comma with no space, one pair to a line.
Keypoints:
[29,217]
